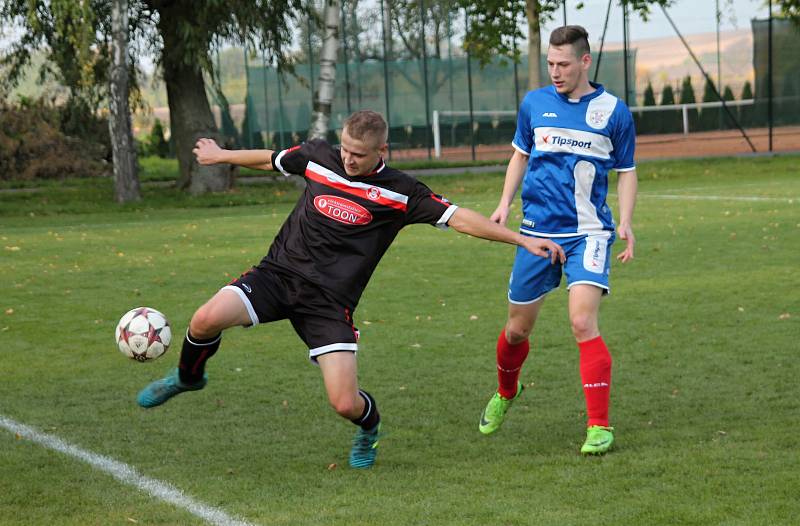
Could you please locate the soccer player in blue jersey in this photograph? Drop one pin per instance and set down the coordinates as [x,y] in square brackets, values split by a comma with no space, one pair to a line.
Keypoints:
[569,136]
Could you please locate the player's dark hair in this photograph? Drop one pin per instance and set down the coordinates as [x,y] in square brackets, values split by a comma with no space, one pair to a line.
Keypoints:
[577,36]
[367,126]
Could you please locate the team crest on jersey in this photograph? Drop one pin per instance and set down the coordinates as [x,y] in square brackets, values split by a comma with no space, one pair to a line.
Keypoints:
[342,210]
[374,194]
[598,118]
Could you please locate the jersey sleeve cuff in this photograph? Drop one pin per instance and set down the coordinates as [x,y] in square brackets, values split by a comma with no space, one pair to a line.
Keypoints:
[520,150]
[442,222]
[630,168]
[277,163]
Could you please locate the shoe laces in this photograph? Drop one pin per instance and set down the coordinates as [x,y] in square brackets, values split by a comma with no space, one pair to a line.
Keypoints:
[365,440]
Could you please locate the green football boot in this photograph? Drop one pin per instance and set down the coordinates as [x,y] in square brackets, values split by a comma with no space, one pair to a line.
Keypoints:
[365,448]
[162,390]
[495,412]
[598,440]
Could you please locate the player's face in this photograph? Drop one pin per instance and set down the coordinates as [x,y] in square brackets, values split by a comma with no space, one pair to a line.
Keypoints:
[359,157]
[569,72]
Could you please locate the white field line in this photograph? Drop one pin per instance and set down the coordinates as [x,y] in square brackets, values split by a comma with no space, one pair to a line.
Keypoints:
[125,474]
[745,198]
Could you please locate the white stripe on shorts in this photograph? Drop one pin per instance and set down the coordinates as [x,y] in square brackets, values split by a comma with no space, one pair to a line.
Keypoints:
[316,351]
[249,306]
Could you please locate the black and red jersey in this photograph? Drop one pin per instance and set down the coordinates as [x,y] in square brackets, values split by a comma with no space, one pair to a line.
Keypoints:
[342,225]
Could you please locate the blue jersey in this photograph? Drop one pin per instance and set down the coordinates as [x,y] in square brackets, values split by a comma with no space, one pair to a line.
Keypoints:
[572,145]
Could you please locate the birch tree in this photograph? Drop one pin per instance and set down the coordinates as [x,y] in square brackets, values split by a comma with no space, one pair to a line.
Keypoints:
[321,116]
[126,179]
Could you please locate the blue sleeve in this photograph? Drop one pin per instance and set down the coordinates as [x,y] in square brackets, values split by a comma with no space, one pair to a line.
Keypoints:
[523,138]
[623,138]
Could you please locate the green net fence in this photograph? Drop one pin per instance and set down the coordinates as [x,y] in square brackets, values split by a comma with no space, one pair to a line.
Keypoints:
[279,105]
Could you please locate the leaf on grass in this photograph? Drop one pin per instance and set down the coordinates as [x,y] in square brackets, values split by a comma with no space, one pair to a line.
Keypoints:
[366,322]
[285,403]
[332,466]
[473,317]
[784,316]
[9,311]
[416,345]
[131,519]
[12,249]
[740,309]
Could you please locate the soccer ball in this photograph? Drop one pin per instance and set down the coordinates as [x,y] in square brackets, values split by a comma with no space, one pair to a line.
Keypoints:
[143,334]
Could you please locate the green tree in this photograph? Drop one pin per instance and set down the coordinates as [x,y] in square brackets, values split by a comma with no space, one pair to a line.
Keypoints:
[688,97]
[670,119]
[710,117]
[747,113]
[179,33]
[648,120]
[157,143]
[727,122]
[493,28]
[790,9]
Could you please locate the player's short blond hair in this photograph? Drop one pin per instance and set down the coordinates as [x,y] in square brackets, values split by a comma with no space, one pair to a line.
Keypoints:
[367,126]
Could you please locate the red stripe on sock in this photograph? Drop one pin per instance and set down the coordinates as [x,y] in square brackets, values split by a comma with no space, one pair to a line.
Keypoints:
[509,363]
[595,365]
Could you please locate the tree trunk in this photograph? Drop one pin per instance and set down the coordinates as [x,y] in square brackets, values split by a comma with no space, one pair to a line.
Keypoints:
[532,11]
[189,114]
[126,178]
[327,73]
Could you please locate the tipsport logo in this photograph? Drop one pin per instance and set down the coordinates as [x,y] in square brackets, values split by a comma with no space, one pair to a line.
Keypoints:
[569,142]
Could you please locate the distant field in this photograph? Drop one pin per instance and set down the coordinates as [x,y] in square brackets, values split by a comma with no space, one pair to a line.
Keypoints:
[703,327]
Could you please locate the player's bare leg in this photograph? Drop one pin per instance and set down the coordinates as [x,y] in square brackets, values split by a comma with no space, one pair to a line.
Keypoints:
[595,366]
[512,350]
[341,383]
[358,406]
[225,309]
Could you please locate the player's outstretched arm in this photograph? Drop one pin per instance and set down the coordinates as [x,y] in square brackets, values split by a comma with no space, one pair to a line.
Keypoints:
[208,151]
[626,189]
[514,174]
[471,222]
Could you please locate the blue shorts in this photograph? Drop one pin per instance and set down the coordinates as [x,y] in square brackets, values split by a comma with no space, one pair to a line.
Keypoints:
[588,262]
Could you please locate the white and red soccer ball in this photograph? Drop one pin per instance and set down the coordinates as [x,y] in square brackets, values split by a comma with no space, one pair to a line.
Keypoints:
[143,334]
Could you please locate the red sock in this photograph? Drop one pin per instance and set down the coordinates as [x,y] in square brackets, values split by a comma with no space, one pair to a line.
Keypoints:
[596,377]
[509,362]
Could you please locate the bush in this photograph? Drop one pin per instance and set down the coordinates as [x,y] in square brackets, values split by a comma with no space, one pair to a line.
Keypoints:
[158,145]
[33,144]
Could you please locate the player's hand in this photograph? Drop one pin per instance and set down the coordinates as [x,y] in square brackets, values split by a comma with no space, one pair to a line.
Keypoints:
[544,248]
[207,151]
[626,233]
[500,215]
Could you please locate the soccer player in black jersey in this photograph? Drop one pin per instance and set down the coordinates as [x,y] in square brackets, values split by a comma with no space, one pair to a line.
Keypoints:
[320,262]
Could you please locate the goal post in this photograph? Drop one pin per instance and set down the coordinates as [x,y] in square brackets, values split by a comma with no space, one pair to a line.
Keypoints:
[436,122]
[482,115]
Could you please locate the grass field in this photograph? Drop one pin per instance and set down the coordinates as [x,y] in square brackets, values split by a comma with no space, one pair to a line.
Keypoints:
[703,327]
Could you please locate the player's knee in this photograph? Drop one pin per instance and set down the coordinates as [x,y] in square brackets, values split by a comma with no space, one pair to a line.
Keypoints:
[583,326]
[344,406]
[204,324]
[516,334]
